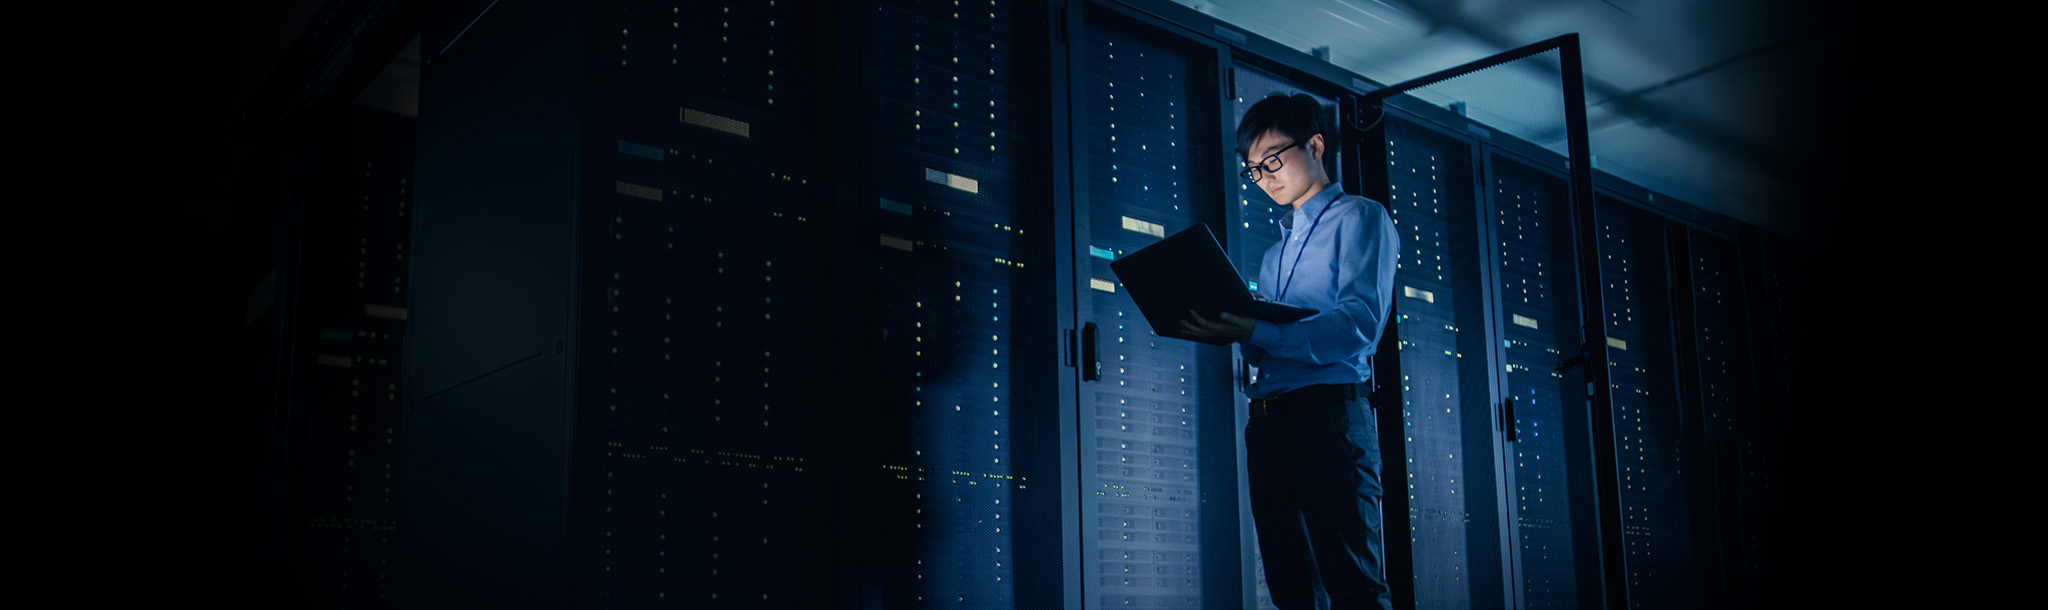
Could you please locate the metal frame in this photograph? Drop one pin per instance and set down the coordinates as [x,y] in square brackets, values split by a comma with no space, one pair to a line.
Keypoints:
[1613,584]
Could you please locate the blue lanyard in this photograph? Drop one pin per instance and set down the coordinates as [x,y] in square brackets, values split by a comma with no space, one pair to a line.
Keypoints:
[1282,297]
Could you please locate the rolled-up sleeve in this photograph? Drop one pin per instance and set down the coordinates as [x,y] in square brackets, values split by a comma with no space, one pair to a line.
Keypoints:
[1364,252]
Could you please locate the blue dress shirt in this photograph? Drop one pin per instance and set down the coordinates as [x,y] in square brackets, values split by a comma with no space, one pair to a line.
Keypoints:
[1336,256]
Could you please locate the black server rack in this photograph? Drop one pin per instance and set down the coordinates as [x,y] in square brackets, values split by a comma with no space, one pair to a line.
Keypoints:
[1727,416]
[957,231]
[1159,514]
[1656,465]
[1720,331]
[702,428]
[1777,277]
[490,356]
[1539,320]
[345,366]
[1444,354]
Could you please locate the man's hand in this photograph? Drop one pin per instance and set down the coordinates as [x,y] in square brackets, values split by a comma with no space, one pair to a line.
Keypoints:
[1234,328]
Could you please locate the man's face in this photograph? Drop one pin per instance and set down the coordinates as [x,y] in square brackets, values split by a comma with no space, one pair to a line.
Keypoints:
[1299,165]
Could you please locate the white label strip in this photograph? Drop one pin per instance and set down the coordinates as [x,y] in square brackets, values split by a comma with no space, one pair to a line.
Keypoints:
[895,242]
[635,190]
[953,180]
[1152,229]
[1101,284]
[384,311]
[1418,293]
[711,121]
[1522,320]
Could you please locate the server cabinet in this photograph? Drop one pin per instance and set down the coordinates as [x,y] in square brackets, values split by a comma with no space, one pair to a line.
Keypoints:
[491,338]
[1444,351]
[347,372]
[1522,412]
[1550,488]
[319,343]
[1657,463]
[965,510]
[617,400]
[1159,515]
[705,432]
[1776,278]
[1725,388]
[1720,385]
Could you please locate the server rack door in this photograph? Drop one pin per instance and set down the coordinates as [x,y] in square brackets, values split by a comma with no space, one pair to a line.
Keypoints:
[489,348]
[1726,394]
[1655,462]
[965,429]
[1777,275]
[1257,219]
[351,329]
[1159,500]
[1450,429]
[1551,491]
[703,438]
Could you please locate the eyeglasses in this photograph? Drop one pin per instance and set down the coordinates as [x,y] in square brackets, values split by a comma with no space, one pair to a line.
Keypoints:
[1270,164]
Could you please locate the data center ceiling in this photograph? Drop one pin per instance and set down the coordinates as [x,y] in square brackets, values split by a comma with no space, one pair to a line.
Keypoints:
[1696,99]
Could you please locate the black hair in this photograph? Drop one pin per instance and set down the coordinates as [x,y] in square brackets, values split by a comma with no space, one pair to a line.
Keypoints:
[1297,117]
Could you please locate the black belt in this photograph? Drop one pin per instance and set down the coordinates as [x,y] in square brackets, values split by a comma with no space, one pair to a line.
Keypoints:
[1311,396]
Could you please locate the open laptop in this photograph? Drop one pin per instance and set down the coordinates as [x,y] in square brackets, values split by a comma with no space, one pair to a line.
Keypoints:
[1188,270]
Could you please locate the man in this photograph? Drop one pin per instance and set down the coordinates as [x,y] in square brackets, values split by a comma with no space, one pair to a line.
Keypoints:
[1312,445]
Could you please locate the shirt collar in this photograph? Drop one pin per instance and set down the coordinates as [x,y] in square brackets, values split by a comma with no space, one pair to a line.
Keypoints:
[1316,203]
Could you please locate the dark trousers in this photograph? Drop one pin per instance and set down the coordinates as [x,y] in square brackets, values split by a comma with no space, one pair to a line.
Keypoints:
[1315,491]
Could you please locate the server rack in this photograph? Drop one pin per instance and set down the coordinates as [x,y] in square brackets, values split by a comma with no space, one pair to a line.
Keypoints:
[343,281]
[698,472]
[953,138]
[719,376]
[1441,345]
[1693,432]
[1159,504]
[491,356]
[1649,409]
[1529,316]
